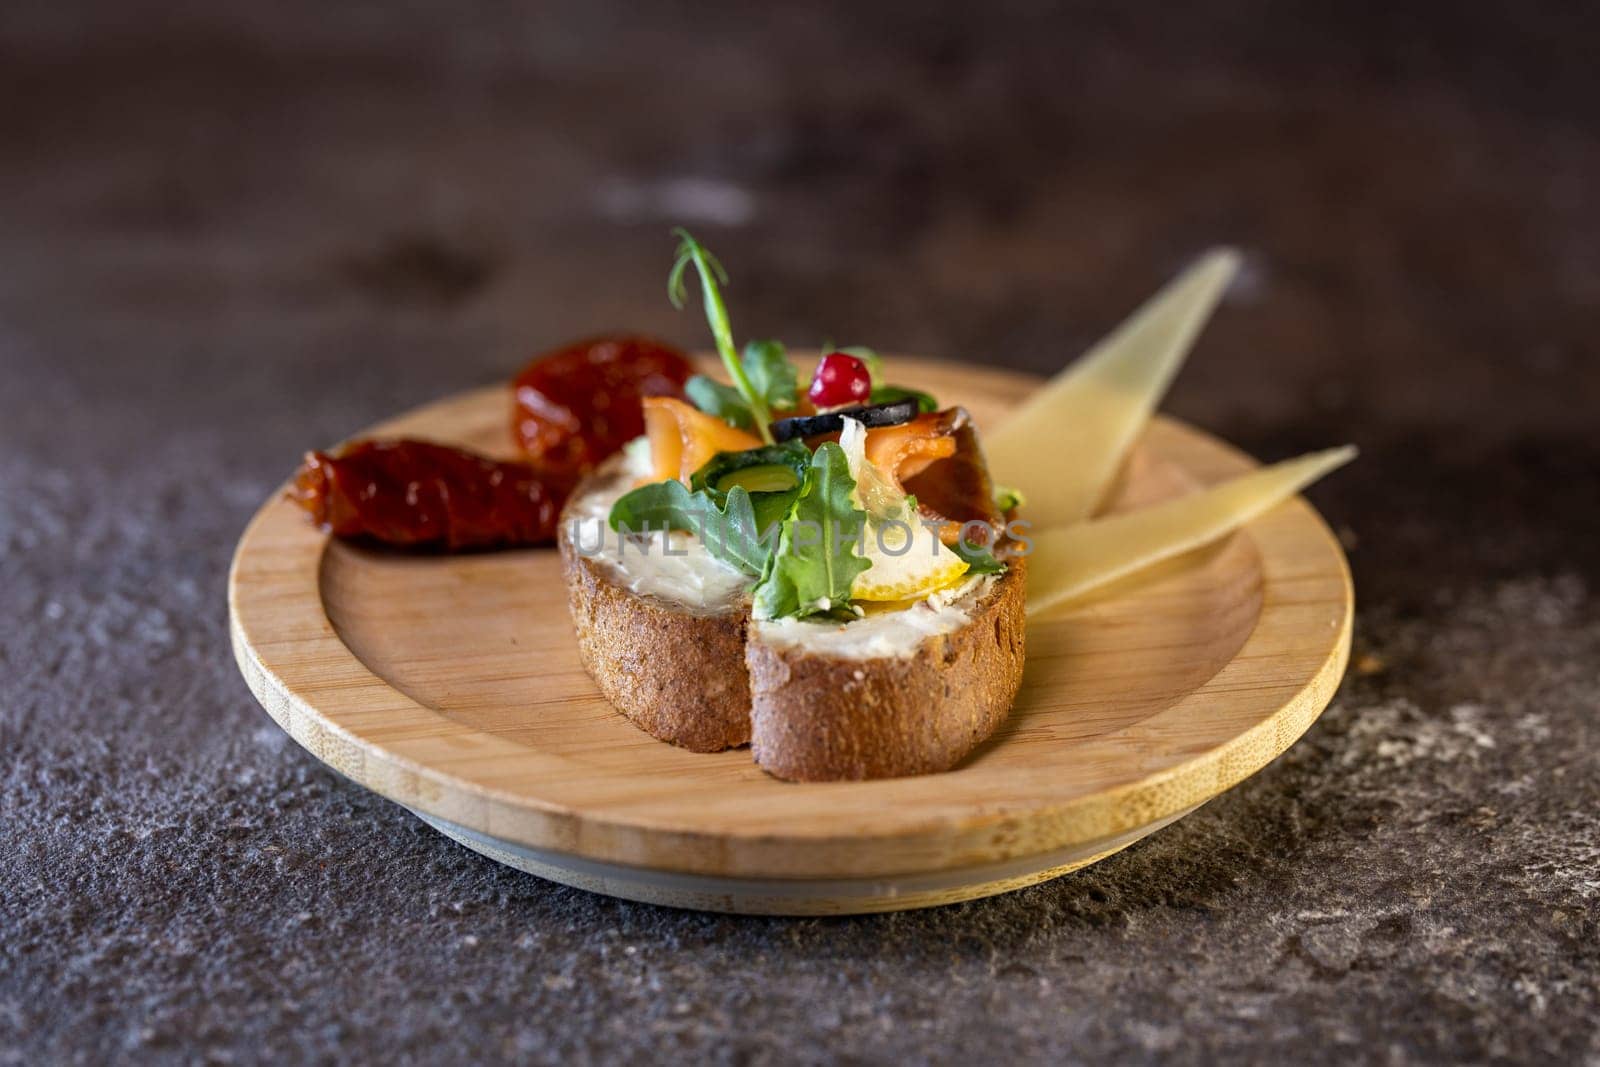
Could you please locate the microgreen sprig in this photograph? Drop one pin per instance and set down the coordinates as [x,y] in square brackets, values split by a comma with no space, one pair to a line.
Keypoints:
[710,271]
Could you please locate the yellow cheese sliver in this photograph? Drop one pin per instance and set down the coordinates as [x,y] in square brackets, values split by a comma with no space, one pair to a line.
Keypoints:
[1066,444]
[1068,561]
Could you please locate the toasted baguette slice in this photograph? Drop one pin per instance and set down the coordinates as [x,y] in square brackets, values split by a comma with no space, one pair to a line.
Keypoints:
[674,666]
[678,674]
[818,715]
[901,693]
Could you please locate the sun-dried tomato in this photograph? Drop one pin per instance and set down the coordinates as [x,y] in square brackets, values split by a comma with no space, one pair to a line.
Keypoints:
[578,404]
[416,493]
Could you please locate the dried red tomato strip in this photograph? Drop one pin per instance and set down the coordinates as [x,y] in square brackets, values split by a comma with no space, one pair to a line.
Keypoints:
[577,405]
[419,494]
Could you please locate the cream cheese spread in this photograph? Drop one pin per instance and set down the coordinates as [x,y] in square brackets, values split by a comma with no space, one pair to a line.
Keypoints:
[671,565]
[882,635]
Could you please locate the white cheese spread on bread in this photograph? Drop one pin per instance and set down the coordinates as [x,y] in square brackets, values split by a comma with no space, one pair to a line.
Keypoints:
[882,634]
[673,566]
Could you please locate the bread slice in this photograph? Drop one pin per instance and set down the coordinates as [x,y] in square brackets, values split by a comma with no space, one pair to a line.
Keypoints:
[678,674]
[902,692]
[819,716]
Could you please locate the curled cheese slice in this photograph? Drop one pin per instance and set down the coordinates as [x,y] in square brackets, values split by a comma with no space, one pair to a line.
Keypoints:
[1068,561]
[683,438]
[1064,446]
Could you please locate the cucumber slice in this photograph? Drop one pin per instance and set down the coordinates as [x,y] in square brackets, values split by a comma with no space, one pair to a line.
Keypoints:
[764,478]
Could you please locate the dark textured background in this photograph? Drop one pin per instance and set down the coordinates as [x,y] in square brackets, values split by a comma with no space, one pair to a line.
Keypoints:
[233,231]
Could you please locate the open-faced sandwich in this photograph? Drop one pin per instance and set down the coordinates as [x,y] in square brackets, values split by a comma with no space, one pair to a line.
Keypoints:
[828,575]
[821,568]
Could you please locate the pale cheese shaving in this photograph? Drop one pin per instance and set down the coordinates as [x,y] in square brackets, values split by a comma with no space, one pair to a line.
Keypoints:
[1065,445]
[1069,561]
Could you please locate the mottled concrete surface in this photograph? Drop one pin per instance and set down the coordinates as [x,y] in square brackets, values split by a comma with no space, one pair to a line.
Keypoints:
[230,233]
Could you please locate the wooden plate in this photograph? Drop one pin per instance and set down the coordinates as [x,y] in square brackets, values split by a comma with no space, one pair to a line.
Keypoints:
[452,685]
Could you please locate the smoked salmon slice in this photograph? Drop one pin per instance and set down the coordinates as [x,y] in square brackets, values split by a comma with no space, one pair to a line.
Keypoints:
[683,438]
[906,450]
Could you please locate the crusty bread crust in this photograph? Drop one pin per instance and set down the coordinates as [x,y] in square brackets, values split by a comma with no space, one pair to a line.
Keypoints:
[678,676]
[817,718]
[703,681]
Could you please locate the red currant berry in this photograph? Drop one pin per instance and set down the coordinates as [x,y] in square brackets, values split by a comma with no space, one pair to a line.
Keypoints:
[841,381]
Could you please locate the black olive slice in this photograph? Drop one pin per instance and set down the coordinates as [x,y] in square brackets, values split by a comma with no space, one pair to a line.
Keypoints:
[891,414]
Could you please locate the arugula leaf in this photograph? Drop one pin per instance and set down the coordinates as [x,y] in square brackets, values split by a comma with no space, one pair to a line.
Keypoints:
[888,394]
[771,374]
[729,531]
[980,558]
[710,271]
[723,401]
[772,509]
[651,507]
[739,536]
[816,561]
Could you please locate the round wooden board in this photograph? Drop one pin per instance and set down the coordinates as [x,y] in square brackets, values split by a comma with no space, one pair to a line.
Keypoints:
[452,685]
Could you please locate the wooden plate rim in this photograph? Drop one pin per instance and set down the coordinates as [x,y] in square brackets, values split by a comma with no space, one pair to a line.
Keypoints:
[311,683]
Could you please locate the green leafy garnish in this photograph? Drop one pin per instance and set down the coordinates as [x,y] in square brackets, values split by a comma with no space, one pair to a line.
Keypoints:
[710,271]
[816,561]
[771,374]
[888,394]
[1006,498]
[779,513]
[729,529]
[980,558]
[723,401]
